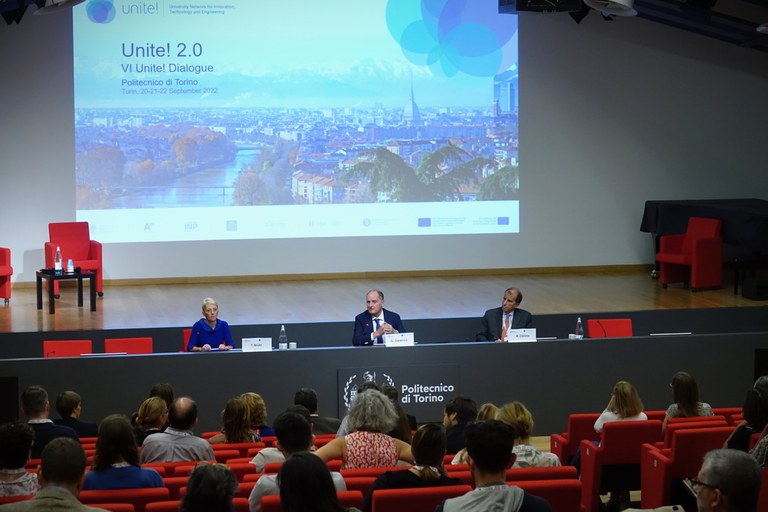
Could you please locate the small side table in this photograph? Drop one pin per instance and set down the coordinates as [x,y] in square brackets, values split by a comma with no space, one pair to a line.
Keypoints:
[51,278]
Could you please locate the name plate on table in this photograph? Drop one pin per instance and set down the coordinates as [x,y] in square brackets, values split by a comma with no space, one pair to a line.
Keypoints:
[521,335]
[401,339]
[257,344]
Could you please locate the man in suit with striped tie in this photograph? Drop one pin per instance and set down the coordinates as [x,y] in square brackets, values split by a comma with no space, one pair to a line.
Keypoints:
[375,321]
[497,321]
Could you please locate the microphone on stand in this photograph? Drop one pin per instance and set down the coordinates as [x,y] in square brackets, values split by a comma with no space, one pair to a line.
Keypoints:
[600,323]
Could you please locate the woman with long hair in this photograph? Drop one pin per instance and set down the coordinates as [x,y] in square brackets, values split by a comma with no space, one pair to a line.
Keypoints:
[306,485]
[755,411]
[116,462]
[236,424]
[211,488]
[624,405]
[685,398]
[517,415]
[152,418]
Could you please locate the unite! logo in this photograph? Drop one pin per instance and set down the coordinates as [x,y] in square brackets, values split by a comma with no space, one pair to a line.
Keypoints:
[100,11]
[350,388]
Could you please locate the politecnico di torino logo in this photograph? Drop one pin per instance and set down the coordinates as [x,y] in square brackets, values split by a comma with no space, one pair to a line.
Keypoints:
[352,384]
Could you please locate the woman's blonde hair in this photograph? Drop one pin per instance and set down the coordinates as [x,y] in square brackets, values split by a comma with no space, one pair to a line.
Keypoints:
[150,412]
[257,409]
[236,421]
[517,415]
[487,411]
[626,400]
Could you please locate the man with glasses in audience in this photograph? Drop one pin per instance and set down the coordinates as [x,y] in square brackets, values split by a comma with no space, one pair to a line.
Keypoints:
[728,481]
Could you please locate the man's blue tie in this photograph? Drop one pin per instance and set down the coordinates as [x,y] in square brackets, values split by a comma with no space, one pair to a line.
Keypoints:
[378,339]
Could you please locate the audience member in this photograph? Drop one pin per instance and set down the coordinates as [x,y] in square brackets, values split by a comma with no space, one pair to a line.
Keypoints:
[152,418]
[428,451]
[294,435]
[459,411]
[344,427]
[62,466]
[685,395]
[177,443]
[489,449]
[518,416]
[116,462]
[370,416]
[402,430]
[373,323]
[257,410]
[306,485]
[236,424]
[210,333]
[211,488]
[497,321]
[624,405]
[321,424]
[755,411]
[164,390]
[15,443]
[69,405]
[728,481]
[271,454]
[487,411]
[36,407]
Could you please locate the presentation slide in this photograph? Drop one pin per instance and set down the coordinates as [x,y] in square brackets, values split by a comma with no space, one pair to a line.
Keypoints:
[248,119]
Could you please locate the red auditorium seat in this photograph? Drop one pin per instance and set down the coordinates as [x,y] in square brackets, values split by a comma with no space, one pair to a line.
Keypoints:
[562,495]
[6,271]
[346,498]
[580,427]
[140,345]
[136,497]
[74,239]
[695,257]
[67,348]
[424,498]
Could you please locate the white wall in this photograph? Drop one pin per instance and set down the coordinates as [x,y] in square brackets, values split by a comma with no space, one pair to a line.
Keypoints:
[612,114]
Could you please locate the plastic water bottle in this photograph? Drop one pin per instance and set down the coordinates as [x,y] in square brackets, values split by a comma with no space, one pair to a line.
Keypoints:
[579,329]
[57,261]
[70,266]
[282,340]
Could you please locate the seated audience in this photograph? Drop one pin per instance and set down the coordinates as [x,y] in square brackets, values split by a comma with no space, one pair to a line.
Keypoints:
[306,485]
[685,395]
[277,454]
[152,418]
[755,411]
[236,423]
[164,390]
[211,488]
[62,466]
[428,451]
[459,411]
[624,405]
[402,430]
[116,462]
[728,481]
[36,407]
[15,443]
[258,414]
[307,397]
[487,411]
[344,427]
[294,435]
[520,418]
[69,405]
[489,453]
[177,443]
[370,416]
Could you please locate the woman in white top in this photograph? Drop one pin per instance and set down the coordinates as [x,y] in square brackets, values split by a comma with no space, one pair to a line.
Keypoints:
[685,394]
[520,418]
[624,405]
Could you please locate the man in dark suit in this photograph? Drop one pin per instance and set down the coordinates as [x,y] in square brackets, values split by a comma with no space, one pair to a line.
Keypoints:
[372,324]
[497,321]
[320,424]
[69,405]
[35,405]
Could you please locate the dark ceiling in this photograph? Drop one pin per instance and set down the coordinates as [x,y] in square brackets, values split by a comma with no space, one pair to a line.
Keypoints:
[731,21]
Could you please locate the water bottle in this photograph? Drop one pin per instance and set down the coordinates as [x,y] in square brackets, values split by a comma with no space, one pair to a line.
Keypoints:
[282,340]
[57,261]
[579,329]
[70,266]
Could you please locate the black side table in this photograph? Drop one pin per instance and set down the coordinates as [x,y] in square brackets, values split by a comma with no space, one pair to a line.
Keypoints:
[52,277]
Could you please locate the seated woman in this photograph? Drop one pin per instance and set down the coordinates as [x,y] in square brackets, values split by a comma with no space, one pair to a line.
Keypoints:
[370,416]
[755,416]
[428,450]
[116,462]
[209,332]
[487,411]
[15,445]
[257,411]
[306,485]
[236,422]
[152,418]
[520,418]
[624,405]
[211,488]
[685,395]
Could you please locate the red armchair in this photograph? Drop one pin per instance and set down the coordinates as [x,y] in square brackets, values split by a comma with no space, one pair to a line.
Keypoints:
[6,271]
[74,239]
[580,426]
[695,257]
[609,328]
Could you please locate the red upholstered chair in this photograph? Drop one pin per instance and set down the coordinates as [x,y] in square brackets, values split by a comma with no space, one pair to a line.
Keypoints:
[359,483]
[562,495]
[222,456]
[695,257]
[240,505]
[137,497]
[14,499]
[734,415]
[609,328]
[141,345]
[681,460]
[66,348]
[615,464]
[114,507]
[74,239]
[241,469]
[656,415]
[762,498]
[242,448]
[346,498]
[174,485]
[550,473]
[185,334]
[424,498]
[6,271]
[580,427]
[359,472]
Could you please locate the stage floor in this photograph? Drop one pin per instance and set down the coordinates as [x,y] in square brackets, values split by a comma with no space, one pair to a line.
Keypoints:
[331,300]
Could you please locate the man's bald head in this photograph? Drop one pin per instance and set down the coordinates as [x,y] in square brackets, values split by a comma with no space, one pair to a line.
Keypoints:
[182,415]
